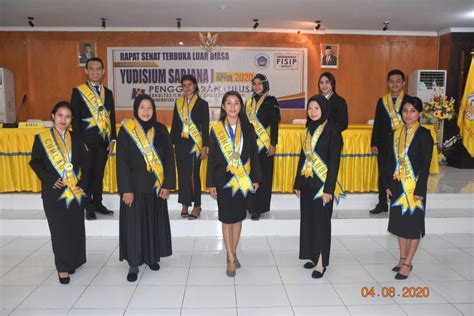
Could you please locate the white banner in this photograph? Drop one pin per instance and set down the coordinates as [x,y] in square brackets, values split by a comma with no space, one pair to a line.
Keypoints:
[157,71]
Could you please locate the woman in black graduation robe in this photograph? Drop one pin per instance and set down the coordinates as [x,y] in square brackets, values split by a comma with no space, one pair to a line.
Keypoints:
[232,207]
[337,104]
[315,226]
[66,224]
[189,164]
[268,114]
[145,234]
[408,223]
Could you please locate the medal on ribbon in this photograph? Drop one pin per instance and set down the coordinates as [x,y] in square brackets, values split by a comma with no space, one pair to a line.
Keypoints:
[95,103]
[59,154]
[393,109]
[402,139]
[263,134]
[230,143]
[314,164]
[189,127]
[144,142]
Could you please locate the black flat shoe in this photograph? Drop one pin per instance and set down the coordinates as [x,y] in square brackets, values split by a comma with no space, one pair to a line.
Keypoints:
[103,210]
[397,267]
[90,215]
[317,274]
[255,216]
[132,277]
[309,265]
[155,266]
[400,276]
[378,210]
[65,280]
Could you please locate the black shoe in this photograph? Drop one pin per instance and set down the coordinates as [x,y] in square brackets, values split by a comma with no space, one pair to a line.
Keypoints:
[90,215]
[379,209]
[317,274]
[65,280]
[309,265]
[72,271]
[103,210]
[132,277]
[397,267]
[400,276]
[155,266]
[255,216]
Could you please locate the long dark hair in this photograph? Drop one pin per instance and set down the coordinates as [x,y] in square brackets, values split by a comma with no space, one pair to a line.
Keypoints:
[242,115]
[61,104]
[331,78]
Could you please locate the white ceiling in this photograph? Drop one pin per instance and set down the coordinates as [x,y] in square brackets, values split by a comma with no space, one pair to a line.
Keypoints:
[404,15]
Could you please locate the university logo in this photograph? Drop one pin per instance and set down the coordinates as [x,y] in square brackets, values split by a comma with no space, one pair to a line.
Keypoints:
[137,91]
[262,61]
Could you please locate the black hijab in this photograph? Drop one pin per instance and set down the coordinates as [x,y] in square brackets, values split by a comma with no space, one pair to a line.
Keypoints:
[324,105]
[148,124]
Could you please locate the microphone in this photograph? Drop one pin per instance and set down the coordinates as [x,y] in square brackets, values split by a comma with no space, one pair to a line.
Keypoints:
[23,101]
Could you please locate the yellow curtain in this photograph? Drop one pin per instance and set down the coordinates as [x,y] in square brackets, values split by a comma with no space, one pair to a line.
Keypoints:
[358,171]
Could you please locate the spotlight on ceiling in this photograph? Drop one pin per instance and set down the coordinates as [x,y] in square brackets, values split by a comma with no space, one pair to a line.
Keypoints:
[298,32]
[31,21]
[103,23]
[178,23]
[317,26]
[255,24]
[385,25]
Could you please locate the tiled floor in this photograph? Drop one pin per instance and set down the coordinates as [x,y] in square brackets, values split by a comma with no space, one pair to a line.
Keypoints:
[271,281]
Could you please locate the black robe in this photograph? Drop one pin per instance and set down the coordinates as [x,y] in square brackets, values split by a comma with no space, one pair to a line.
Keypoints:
[315,225]
[65,225]
[145,233]
[338,111]
[189,166]
[411,226]
[269,115]
[232,209]
[97,146]
[381,137]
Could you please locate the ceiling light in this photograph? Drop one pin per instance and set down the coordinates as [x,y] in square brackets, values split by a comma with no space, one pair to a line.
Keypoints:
[178,23]
[317,26]
[181,43]
[385,25]
[256,24]
[103,23]
[30,21]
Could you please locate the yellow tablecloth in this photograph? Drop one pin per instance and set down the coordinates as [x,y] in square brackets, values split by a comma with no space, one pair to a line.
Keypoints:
[358,172]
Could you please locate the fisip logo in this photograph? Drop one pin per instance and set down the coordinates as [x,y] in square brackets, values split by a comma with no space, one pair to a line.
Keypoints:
[262,61]
[286,61]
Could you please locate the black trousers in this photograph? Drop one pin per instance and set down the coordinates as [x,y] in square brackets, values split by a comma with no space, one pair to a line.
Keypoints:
[382,159]
[189,175]
[98,155]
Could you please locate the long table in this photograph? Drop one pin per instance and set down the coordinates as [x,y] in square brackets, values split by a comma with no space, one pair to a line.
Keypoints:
[358,171]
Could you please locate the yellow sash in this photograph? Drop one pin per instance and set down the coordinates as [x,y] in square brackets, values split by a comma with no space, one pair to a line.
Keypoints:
[313,163]
[95,103]
[148,151]
[189,128]
[263,135]
[393,109]
[241,179]
[59,154]
[402,139]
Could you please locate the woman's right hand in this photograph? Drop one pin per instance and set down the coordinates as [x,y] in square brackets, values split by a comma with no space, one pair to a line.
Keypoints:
[59,184]
[389,195]
[298,193]
[213,192]
[127,198]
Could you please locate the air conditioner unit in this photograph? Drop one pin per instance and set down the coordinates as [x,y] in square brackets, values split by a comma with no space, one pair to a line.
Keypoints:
[421,83]
[7,96]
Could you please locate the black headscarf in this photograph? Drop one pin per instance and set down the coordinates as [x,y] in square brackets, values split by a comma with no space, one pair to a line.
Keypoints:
[324,105]
[148,124]
[265,83]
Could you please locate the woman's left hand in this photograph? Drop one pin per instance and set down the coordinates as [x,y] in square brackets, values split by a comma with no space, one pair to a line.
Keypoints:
[204,153]
[327,198]
[255,186]
[164,194]
[271,151]
[417,198]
